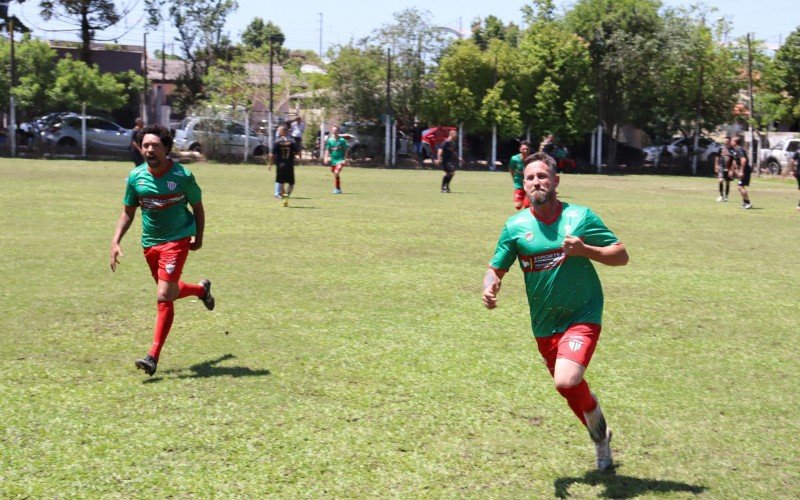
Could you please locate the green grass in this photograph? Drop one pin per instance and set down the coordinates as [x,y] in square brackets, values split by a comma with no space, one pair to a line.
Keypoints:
[350,355]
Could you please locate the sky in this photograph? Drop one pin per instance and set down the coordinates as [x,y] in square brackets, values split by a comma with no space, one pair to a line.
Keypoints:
[344,20]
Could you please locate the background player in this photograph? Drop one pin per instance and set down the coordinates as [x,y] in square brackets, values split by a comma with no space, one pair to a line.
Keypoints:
[447,157]
[725,169]
[743,171]
[282,156]
[162,189]
[516,166]
[337,152]
[555,243]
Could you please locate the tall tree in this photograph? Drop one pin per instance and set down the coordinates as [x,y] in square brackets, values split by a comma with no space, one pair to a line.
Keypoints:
[200,25]
[90,16]
[492,28]
[76,83]
[621,36]
[358,76]
[415,44]
[786,75]
[35,67]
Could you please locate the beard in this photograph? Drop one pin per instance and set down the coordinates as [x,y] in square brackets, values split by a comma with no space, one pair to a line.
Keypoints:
[539,198]
[152,161]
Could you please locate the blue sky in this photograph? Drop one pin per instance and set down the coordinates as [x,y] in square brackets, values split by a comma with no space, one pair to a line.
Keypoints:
[343,20]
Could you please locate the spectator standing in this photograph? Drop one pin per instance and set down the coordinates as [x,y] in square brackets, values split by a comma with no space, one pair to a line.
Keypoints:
[136,142]
[297,128]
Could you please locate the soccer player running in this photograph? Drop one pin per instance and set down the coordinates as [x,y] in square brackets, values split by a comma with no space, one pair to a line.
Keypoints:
[447,158]
[516,166]
[282,156]
[743,171]
[162,189]
[555,243]
[337,153]
[725,169]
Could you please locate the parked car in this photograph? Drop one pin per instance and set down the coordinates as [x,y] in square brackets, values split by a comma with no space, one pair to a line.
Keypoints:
[64,131]
[204,135]
[681,148]
[432,138]
[778,158]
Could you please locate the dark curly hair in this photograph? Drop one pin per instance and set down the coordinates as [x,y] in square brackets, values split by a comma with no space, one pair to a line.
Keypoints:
[162,132]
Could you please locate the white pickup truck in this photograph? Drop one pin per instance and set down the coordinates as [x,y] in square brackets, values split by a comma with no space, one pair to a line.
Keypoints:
[778,159]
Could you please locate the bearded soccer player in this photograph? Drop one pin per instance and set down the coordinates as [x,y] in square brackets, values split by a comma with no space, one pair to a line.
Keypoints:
[516,166]
[282,155]
[336,153]
[555,242]
[170,230]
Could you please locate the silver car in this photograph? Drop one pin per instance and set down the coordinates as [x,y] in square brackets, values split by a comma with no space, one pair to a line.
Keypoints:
[65,132]
[216,135]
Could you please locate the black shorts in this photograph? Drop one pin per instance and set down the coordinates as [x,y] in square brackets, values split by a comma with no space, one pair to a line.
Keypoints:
[284,175]
[448,168]
[745,180]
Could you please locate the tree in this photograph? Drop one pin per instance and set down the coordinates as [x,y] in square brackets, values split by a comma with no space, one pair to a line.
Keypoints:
[358,75]
[554,80]
[200,25]
[35,66]
[463,79]
[624,54]
[492,28]
[415,44]
[258,34]
[90,16]
[76,83]
[785,78]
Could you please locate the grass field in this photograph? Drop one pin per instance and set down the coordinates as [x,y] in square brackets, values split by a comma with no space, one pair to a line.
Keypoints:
[350,356]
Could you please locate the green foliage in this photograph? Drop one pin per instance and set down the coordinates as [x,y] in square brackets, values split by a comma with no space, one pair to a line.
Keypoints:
[35,65]
[357,75]
[492,28]
[786,79]
[258,34]
[76,83]
[461,82]
[554,81]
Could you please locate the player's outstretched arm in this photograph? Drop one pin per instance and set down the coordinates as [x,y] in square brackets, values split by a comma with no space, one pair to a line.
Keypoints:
[123,224]
[491,286]
[612,255]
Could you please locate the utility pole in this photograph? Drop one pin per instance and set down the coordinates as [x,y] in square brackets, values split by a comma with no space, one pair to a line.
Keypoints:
[388,120]
[270,134]
[144,86]
[13,76]
[753,151]
[699,108]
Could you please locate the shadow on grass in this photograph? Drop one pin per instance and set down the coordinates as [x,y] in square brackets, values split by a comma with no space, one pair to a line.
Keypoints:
[623,486]
[209,369]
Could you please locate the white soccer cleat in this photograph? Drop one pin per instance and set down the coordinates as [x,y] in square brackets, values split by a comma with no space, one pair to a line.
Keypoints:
[603,453]
[719,199]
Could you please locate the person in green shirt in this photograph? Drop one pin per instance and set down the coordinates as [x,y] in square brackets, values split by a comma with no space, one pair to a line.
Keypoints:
[163,189]
[554,243]
[337,152]
[516,166]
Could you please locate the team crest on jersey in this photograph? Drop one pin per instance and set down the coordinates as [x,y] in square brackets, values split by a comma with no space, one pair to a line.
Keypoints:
[528,236]
[575,344]
[172,185]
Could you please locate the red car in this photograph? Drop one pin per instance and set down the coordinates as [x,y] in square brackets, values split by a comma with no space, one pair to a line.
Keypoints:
[433,137]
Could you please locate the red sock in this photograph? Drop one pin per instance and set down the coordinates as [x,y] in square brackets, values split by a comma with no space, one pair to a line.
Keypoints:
[338,183]
[185,290]
[166,312]
[579,399]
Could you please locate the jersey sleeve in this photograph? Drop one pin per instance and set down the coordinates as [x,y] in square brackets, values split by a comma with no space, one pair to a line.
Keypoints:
[595,233]
[505,253]
[193,192]
[131,198]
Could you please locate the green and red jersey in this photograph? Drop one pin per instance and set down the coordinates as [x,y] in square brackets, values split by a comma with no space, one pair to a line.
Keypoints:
[562,290]
[163,200]
[337,147]
[517,167]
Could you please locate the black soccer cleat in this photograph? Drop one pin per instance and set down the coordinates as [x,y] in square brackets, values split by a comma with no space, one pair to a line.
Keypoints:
[208,299]
[148,364]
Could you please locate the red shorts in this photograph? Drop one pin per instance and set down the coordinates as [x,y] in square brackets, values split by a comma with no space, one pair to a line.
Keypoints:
[335,169]
[166,260]
[576,344]
[520,196]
